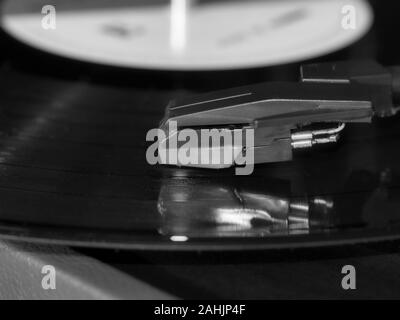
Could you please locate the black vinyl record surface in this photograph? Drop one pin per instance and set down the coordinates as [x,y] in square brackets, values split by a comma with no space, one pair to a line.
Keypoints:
[73,166]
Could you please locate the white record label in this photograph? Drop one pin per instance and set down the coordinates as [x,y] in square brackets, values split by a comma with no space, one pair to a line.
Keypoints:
[189,35]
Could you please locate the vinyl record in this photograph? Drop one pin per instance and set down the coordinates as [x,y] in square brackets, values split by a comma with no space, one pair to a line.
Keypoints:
[74,171]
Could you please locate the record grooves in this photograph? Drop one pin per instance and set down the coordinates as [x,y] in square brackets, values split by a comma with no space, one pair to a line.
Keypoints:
[73,168]
[78,168]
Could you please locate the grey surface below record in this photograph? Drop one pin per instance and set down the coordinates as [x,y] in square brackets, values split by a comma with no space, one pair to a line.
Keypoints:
[76,276]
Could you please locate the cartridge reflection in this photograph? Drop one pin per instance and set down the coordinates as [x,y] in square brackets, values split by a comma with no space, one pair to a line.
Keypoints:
[194,208]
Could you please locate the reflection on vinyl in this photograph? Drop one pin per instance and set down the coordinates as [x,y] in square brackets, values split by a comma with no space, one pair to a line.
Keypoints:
[189,35]
[199,208]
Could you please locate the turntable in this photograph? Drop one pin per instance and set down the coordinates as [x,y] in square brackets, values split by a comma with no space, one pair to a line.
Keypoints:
[82,82]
